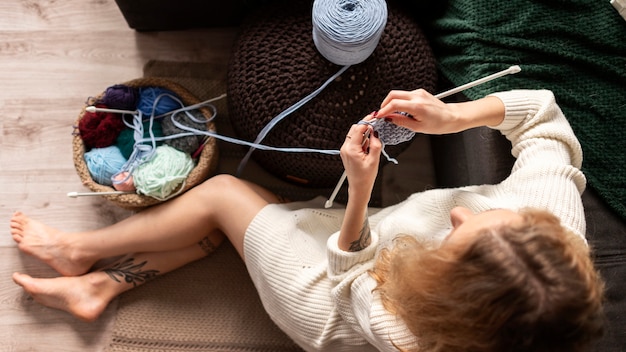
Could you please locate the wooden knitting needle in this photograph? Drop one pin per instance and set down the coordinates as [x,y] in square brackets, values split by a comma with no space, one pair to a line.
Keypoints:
[511,70]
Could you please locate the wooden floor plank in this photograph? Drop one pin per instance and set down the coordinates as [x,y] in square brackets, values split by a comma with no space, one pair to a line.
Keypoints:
[26,325]
[51,15]
[53,55]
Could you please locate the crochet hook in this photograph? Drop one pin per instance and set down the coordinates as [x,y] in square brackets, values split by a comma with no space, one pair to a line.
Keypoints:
[511,70]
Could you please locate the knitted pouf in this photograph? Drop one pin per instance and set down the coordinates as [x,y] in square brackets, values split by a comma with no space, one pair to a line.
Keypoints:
[275,63]
[206,162]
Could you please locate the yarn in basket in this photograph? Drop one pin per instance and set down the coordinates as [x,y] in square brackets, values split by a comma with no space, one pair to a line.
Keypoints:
[202,165]
[100,129]
[103,163]
[163,173]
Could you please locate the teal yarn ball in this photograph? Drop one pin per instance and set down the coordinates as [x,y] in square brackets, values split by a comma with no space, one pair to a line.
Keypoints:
[163,173]
[103,163]
[126,139]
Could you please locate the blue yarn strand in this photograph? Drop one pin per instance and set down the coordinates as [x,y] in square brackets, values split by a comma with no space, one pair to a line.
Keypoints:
[144,148]
[284,114]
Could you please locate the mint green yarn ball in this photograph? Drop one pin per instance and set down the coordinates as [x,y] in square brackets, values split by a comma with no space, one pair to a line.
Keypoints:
[160,176]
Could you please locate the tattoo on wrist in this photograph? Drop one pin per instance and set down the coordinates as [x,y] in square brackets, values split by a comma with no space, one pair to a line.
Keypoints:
[130,272]
[206,245]
[364,238]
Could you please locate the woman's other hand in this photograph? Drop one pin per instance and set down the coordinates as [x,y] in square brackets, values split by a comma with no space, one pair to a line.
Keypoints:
[430,115]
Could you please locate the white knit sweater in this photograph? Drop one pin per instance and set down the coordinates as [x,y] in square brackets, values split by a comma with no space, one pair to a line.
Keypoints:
[323,298]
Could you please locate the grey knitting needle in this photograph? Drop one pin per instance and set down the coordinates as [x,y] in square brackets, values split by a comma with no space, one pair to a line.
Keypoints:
[511,70]
[79,194]
[92,108]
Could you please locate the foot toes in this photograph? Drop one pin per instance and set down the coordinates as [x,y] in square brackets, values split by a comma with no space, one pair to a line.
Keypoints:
[19,278]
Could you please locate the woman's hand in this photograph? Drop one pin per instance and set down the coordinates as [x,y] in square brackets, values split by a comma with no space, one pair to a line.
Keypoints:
[432,116]
[360,154]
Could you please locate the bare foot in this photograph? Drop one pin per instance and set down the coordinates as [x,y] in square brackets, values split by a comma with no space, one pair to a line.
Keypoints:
[80,296]
[48,245]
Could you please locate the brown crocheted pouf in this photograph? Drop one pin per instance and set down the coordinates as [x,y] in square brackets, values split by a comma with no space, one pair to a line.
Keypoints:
[205,164]
[274,64]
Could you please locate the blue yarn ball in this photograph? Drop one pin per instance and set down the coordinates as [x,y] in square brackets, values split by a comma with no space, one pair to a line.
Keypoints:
[148,96]
[103,163]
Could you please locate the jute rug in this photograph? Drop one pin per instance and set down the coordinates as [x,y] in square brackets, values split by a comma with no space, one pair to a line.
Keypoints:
[209,305]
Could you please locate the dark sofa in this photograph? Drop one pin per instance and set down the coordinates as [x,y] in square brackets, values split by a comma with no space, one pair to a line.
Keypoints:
[481,155]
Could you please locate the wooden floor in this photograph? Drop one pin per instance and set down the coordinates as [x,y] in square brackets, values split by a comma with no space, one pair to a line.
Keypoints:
[53,55]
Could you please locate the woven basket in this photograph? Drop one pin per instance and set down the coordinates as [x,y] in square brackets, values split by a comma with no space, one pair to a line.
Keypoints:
[275,63]
[205,165]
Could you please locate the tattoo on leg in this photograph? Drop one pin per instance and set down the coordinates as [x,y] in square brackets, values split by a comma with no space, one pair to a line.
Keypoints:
[130,272]
[206,245]
[364,237]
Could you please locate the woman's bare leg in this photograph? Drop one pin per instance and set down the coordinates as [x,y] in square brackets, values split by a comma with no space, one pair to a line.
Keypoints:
[222,204]
[87,296]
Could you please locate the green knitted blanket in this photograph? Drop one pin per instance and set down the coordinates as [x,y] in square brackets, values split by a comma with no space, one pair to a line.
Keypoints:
[576,48]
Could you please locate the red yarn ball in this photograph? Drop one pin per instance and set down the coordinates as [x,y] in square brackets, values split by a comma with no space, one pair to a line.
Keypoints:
[100,129]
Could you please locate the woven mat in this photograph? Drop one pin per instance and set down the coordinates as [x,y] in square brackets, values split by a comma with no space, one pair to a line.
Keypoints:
[209,305]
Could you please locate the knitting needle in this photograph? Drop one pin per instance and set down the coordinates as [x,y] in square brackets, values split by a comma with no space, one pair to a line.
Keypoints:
[511,70]
[92,108]
[78,194]
[95,109]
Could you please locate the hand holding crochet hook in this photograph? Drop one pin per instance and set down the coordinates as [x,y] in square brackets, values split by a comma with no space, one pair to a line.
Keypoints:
[421,112]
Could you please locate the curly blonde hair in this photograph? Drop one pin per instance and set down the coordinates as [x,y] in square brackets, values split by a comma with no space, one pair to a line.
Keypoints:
[527,287]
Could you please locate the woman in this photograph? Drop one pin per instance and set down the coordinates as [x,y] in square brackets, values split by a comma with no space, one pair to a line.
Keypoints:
[479,268]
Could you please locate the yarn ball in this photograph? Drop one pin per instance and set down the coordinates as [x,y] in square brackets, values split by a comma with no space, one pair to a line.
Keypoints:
[126,138]
[124,182]
[121,97]
[103,163]
[163,173]
[187,144]
[148,102]
[100,129]
[346,33]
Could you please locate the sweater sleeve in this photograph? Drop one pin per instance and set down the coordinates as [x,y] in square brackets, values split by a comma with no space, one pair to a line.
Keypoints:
[546,173]
[542,120]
